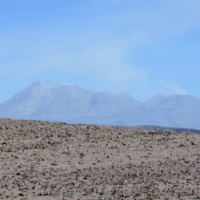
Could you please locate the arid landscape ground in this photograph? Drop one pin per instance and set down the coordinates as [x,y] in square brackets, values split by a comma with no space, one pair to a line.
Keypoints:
[44,160]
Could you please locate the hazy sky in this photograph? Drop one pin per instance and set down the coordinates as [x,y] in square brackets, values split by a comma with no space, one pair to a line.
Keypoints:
[143,47]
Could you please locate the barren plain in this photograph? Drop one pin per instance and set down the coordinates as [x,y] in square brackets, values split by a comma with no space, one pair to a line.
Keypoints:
[44,160]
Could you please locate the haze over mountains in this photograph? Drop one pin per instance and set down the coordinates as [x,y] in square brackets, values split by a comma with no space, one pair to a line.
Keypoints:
[50,101]
[46,100]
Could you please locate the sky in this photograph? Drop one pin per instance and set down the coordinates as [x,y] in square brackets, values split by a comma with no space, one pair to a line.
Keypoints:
[144,48]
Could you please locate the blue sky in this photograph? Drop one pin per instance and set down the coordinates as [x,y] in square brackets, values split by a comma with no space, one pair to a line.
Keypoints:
[144,48]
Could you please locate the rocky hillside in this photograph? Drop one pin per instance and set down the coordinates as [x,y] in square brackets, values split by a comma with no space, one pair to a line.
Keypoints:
[43,160]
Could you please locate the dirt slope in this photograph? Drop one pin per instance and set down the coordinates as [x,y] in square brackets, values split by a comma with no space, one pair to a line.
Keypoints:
[44,160]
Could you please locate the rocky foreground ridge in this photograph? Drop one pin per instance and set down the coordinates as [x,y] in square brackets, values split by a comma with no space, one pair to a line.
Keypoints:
[44,160]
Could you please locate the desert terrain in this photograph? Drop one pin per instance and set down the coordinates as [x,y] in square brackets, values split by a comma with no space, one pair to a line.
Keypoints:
[46,160]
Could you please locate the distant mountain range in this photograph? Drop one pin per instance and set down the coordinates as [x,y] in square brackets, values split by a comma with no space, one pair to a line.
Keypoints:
[155,128]
[50,101]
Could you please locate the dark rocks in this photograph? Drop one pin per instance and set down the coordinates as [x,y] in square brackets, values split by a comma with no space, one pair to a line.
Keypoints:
[21,194]
[96,162]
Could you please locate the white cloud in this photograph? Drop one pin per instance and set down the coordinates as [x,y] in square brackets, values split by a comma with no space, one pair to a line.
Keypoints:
[101,49]
[162,87]
[155,20]
[170,88]
[105,61]
[95,54]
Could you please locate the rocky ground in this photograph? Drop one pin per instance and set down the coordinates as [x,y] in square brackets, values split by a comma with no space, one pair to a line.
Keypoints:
[43,160]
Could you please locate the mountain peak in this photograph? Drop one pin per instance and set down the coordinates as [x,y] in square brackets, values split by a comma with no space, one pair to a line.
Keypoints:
[46,100]
[50,84]
[154,100]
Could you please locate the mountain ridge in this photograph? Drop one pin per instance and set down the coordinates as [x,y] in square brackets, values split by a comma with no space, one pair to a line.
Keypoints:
[46,100]
[49,101]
